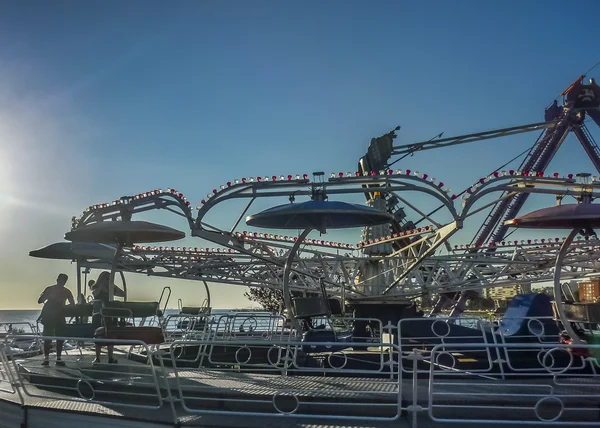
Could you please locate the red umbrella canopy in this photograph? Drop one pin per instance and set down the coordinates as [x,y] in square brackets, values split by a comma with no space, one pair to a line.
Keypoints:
[568,216]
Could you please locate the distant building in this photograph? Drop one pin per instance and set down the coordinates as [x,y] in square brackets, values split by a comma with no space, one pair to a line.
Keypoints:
[502,295]
[589,291]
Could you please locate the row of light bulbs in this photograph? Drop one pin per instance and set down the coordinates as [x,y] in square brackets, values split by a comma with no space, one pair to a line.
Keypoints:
[339,175]
[250,235]
[512,172]
[138,197]
[395,236]
[304,177]
[188,250]
[269,236]
[545,242]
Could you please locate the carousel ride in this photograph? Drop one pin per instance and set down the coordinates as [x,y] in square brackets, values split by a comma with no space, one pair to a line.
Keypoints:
[375,281]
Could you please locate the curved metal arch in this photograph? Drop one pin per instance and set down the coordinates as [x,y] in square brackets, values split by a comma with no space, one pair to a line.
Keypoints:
[129,206]
[527,184]
[334,186]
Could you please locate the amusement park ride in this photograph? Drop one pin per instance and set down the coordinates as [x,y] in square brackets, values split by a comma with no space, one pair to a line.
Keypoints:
[353,338]
[397,261]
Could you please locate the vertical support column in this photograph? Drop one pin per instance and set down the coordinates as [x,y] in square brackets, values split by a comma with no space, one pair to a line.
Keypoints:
[287,298]
[558,289]
[111,278]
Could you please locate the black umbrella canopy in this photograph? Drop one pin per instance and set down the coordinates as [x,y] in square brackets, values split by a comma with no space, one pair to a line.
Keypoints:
[124,233]
[320,215]
[72,250]
[57,251]
[568,216]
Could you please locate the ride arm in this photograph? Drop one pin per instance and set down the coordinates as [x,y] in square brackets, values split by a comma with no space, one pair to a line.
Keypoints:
[470,138]
[537,160]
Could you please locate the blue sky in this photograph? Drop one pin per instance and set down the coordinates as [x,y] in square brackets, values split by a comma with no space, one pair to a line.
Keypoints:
[103,99]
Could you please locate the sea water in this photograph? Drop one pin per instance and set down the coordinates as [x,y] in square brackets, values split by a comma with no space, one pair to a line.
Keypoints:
[31,315]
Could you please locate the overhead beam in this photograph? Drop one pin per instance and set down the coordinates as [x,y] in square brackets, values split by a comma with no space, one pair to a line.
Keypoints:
[470,138]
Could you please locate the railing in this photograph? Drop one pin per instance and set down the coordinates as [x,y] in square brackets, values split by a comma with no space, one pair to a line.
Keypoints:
[183,326]
[282,382]
[81,379]
[429,369]
[27,344]
[554,392]
[246,324]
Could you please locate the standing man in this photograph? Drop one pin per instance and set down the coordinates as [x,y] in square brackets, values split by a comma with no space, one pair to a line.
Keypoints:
[54,298]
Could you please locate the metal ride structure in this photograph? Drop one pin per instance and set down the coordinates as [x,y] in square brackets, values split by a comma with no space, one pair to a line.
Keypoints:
[257,259]
[247,373]
[579,100]
[404,261]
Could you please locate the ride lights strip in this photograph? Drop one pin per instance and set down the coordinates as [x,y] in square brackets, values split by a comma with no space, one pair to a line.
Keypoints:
[140,196]
[235,182]
[516,173]
[538,243]
[248,236]
[186,250]
[333,177]
[396,236]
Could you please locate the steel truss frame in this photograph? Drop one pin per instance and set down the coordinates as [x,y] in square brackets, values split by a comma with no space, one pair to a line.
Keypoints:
[418,268]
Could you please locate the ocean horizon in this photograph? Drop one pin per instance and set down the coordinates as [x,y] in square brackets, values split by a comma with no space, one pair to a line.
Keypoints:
[12,316]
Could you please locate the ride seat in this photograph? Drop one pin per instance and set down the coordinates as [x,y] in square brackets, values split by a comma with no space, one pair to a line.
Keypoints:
[148,335]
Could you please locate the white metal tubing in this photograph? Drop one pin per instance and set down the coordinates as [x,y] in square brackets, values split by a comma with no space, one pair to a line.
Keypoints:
[286,278]
[558,289]
[559,394]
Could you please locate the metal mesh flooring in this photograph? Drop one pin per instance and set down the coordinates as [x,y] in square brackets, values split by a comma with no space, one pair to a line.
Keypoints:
[256,384]
[264,384]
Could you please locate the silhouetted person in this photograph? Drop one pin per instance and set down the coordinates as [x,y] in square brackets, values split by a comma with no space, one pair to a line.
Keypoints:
[100,292]
[54,298]
[552,112]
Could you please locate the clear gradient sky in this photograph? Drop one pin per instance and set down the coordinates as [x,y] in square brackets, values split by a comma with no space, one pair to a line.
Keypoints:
[100,99]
